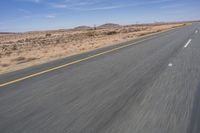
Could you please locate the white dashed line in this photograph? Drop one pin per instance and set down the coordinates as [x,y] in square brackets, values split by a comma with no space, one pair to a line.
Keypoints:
[196,31]
[186,45]
[170,64]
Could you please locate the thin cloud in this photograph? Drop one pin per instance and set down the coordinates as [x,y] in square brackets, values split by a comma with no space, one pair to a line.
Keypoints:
[50,16]
[58,5]
[24,11]
[172,6]
[27,16]
[33,1]
[72,4]
[120,6]
[37,1]
[87,3]
[175,12]
[99,8]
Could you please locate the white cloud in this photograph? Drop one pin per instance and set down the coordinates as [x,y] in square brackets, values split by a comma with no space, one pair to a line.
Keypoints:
[27,16]
[37,1]
[70,4]
[117,6]
[33,1]
[24,11]
[99,8]
[172,6]
[59,5]
[50,16]
[83,5]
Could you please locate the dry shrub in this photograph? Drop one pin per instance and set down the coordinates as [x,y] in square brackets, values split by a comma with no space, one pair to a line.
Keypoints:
[20,41]
[27,40]
[14,47]
[143,34]
[19,59]
[4,47]
[31,59]
[158,30]
[45,51]
[57,41]
[19,52]
[8,53]
[111,33]
[5,65]
[90,33]
[48,35]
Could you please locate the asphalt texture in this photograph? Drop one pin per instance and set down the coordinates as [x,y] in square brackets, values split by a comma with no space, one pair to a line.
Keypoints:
[149,87]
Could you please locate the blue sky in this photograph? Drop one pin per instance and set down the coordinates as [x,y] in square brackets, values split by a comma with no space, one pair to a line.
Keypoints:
[28,15]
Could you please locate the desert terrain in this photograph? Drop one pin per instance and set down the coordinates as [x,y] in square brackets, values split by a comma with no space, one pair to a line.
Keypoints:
[21,50]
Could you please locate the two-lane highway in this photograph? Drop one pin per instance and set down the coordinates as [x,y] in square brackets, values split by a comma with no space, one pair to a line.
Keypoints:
[149,86]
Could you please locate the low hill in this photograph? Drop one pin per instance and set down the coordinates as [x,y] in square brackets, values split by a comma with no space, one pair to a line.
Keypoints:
[82,28]
[109,25]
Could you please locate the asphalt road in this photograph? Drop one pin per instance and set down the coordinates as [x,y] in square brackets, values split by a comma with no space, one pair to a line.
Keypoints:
[152,86]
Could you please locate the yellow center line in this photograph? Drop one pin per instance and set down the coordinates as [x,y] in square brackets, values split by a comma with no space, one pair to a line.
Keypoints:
[78,61]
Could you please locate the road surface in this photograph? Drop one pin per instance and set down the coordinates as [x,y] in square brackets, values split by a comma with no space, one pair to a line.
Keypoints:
[148,86]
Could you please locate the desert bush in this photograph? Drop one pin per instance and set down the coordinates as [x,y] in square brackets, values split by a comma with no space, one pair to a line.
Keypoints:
[4,47]
[137,29]
[31,59]
[48,35]
[111,33]
[14,47]
[5,65]
[57,41]
[90,33]
[20,41]
[158,30]
[46,51]
[8,53]
[27,40]
[10,42]
[19,59]
[143,34]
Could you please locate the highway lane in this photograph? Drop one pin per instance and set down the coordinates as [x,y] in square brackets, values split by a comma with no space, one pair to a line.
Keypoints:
[151,87]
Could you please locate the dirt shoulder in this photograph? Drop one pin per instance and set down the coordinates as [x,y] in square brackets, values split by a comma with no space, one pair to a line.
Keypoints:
[21,50]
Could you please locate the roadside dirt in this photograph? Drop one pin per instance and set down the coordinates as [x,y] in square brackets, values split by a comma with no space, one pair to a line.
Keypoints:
[21,50]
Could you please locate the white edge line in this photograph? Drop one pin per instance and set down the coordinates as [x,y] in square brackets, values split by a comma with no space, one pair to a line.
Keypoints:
[188,42]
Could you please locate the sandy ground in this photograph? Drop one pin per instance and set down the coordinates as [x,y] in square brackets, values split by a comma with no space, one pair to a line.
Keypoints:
[21,50]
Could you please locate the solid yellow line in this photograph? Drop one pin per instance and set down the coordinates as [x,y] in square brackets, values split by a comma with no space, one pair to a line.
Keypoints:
[75,62]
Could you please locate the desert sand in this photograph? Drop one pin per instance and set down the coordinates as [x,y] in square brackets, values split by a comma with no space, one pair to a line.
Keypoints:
[21,50]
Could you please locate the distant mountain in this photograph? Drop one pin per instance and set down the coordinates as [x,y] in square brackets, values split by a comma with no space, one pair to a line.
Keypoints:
[109,25]
[7,33]
[82,28]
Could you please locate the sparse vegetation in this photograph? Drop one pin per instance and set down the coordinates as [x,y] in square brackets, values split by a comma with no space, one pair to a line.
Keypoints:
[14,47]
[5,65]
[90,33]
[26,49]
[18,59]
[31,59]
[48,35]
[111,32]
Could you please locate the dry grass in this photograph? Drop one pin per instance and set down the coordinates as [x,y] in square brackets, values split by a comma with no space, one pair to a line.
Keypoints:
[22,50]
